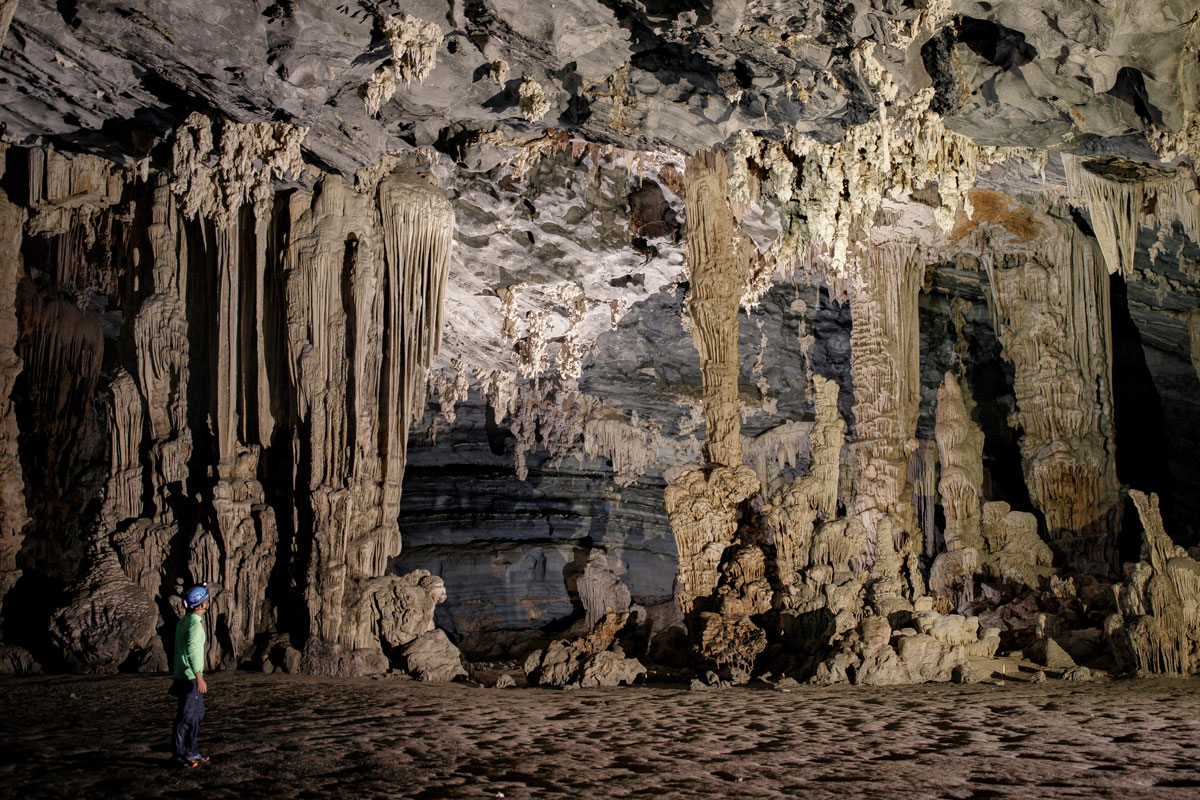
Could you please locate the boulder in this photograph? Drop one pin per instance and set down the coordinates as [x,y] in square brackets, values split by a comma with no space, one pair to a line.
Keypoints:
[1049,653]
[433,658]
[927,660]
[106,616]
[593,660]
[17,661]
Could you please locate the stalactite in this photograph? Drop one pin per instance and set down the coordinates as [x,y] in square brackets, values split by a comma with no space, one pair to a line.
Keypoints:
[378,90]
[1121,196]
[450,390]
[418,228]
[777,449]
[534,102]
[1115,208]
[841,186]
[885,368]
[1052,315]
[500,390]
[922,475]
[713,304]
[414,46]
[631,445]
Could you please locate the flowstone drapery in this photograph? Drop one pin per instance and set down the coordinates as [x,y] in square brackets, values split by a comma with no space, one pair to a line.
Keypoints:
[364,314]
[1053,316]
[277,347]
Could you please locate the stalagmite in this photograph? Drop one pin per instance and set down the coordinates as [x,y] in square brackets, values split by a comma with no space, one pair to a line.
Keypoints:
[704,513]
[1157,628]
[106,615]
[1052,315]
[793,514]
[601,590]
[960,454]
[594,660]
[884,364]
[1014,550]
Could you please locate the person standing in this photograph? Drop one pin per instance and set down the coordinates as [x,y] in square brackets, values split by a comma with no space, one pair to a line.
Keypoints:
[188,686]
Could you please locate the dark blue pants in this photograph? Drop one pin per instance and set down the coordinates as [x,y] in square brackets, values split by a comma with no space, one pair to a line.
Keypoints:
[187,719]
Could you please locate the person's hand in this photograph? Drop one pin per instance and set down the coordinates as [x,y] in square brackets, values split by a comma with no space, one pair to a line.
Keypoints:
[201,685]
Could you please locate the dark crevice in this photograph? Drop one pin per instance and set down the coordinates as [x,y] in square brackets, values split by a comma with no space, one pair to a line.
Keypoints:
[1140,428]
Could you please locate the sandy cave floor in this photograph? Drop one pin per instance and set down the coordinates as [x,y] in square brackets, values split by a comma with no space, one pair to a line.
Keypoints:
[297,737]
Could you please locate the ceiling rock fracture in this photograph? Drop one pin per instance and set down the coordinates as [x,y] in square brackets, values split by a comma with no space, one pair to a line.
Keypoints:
[803,341]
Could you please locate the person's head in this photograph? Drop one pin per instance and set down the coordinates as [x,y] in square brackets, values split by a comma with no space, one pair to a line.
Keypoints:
[198,599]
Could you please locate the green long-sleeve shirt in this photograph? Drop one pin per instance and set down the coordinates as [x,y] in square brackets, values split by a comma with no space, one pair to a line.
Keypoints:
[189,647]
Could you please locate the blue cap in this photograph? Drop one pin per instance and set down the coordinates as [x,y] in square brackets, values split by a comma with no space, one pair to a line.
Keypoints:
[197,595]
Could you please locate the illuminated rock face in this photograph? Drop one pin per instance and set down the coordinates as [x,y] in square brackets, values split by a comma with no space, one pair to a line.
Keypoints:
[819,339]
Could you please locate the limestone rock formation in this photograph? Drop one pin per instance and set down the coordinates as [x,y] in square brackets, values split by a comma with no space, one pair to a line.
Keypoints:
[1157,627]
[480,326]
[1053,315]
[106,617]
[12,486]
[433,658]
[593,660]
[1015,552]
[885,367]
[600,588]
[932,650]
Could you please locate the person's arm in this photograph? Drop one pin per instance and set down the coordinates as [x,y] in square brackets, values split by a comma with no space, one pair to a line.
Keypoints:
[196,655]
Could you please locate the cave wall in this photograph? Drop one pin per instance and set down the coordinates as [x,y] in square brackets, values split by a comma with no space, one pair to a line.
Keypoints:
[237,268]
[182,415]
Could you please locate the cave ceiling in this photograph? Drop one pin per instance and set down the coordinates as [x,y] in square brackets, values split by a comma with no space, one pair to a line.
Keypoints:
[892,169]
